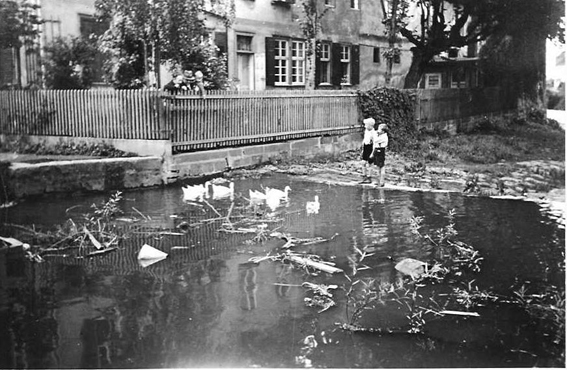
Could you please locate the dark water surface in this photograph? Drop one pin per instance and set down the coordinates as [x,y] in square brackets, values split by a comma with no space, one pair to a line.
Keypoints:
[206,305]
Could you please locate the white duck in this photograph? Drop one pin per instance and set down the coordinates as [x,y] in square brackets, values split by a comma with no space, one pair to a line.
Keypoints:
[273,203]
[313,206]
[272,193]
[256,195]
[194,192]
[221,191]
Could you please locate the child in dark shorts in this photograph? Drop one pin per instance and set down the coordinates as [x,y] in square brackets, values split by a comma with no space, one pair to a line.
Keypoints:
[368,148]
[379,152]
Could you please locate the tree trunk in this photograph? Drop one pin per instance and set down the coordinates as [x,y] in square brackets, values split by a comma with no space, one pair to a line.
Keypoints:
[416,69]
[391,39]
[310,68]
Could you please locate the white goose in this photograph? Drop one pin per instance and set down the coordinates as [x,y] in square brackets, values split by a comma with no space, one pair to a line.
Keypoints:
[273,203]
[277,193]
[220,191]
[194,192]
[313,206]
[256,195]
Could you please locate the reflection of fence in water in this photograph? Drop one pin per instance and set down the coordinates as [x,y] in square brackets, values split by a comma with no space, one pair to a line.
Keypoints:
[199,243]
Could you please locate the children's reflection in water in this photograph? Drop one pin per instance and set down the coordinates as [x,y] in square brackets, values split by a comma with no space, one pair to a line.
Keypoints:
[283,280]
[248,286]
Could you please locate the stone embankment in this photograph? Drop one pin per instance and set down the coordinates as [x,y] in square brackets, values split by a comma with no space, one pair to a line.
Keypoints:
[539,181]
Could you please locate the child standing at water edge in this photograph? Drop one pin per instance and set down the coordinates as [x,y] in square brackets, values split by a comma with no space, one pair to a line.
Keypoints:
[379,152]
[367,148]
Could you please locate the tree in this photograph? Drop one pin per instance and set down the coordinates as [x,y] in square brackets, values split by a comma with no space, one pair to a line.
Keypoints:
[18,27]
[68,63]
[166,30]
[431,30]
[19,23]
[310,25]
[514,53]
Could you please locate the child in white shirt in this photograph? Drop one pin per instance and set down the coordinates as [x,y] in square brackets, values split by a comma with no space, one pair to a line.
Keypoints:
[368,148]
[379,152]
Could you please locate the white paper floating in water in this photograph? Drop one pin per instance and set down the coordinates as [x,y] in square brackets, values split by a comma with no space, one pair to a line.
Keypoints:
[149,255]
[15,242]
[411,267]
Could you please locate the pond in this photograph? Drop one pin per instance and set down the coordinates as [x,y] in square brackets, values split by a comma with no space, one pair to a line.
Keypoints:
[208,305]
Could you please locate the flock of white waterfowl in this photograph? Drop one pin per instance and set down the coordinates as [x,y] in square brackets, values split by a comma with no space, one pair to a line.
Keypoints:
[273,197]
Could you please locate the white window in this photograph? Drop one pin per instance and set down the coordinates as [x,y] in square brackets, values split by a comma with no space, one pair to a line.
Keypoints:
[345,65]
[281,64]
[354,4]
[325,64]
[297,63]
[433,80]
[289,62]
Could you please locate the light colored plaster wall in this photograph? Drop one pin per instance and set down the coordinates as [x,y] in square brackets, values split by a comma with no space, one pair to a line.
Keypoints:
[341,23]
[66,12]
[260,19]
[264,11]
[371,19]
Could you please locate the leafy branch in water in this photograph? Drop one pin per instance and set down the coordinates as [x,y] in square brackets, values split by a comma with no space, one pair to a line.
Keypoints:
[451,257]
[109,209]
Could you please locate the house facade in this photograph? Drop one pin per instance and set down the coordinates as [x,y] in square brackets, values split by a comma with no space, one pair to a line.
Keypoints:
[61,18]
[266,47]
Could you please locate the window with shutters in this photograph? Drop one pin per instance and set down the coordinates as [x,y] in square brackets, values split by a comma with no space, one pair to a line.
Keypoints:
[325,64]
[354,4]
[281,64]
[345,65]
[297,63]
[289,62]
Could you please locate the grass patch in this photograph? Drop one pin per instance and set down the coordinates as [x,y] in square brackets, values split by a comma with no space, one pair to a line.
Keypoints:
[490,143]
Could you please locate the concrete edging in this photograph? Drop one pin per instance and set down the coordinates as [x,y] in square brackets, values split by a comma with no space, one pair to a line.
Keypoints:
[26,179]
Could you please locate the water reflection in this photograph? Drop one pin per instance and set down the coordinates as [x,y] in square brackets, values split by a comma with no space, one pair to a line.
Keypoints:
[206,305]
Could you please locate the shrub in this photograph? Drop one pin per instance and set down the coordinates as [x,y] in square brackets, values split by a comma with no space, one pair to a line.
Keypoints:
[395,108]
[69,63]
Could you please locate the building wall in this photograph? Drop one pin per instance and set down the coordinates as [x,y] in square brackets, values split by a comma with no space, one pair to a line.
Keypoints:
[340,24]
[63,17]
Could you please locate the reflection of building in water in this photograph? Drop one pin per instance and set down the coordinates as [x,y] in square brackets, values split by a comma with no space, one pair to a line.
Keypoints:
[96,335]
[247,284]
[113,310]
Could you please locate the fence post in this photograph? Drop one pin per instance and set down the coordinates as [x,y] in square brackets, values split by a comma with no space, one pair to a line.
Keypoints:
[163,116]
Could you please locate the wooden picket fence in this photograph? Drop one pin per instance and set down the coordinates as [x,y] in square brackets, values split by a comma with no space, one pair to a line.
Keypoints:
[220,119]
[191,122]
[108,114]
[226,119]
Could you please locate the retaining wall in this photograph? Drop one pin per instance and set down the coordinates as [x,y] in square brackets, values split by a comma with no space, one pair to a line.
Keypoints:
[196,164]
[25,179]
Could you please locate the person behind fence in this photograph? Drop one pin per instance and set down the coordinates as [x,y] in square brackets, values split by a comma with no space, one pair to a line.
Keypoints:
[176,85]
[199,83]
[379,152]
[370,136]
[189,79]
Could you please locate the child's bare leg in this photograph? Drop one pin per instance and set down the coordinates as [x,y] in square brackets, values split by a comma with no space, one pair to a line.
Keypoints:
[382,175]
[378,177]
